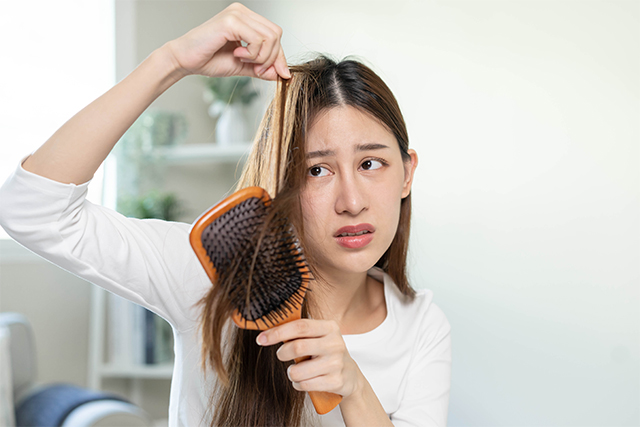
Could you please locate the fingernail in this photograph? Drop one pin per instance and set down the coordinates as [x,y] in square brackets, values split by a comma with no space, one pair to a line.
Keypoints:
[287,73]
[261,339]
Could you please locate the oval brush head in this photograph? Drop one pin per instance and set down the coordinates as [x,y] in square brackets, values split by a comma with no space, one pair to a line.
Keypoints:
[261,269]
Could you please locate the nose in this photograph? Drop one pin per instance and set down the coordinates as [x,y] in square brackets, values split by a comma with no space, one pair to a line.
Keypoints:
[350,197]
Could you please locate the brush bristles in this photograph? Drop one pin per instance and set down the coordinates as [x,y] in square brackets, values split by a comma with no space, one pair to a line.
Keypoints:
[262,271]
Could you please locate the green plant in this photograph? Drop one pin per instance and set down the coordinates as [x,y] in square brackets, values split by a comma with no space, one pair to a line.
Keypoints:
[162,128]
[154,128]
[229,90]
[153,204]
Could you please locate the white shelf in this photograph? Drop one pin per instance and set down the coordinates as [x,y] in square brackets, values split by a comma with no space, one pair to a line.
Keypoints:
[160,371]
[204,153]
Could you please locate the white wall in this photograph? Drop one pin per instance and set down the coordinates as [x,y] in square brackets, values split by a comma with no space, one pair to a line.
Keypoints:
[525,116]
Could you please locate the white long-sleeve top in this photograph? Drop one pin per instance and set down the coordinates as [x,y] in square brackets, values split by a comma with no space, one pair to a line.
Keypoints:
[406,359]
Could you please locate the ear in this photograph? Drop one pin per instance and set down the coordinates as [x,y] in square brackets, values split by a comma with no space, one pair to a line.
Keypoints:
[409,169]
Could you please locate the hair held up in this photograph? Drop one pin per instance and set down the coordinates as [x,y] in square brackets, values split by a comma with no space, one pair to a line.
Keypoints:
[252,388]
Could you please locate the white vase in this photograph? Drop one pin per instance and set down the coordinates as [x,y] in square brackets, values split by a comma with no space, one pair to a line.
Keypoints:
[231,127]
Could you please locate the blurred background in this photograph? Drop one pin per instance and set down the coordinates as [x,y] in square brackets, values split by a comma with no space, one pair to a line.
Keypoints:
[526,119]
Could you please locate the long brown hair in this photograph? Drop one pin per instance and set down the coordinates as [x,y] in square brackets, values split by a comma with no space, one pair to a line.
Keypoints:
[253,388]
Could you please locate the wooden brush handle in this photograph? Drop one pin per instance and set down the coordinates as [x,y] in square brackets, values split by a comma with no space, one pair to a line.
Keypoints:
[323,401]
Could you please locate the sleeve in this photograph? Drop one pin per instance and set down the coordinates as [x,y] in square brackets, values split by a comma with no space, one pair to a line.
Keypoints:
[149,262]
[425,400]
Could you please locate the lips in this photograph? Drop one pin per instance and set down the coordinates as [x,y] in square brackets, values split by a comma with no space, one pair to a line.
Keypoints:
[354,229]
[355,236]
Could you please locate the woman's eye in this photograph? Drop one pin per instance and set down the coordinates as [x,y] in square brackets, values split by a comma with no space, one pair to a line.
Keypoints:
[318,171]
[371,165]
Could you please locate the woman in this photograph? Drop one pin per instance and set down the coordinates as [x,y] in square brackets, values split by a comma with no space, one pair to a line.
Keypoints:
[342,153]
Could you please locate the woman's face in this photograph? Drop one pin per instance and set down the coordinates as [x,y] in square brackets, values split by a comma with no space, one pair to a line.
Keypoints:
[356,179]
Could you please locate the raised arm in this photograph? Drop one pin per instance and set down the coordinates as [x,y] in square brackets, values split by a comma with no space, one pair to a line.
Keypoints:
[75,151]
[149,262]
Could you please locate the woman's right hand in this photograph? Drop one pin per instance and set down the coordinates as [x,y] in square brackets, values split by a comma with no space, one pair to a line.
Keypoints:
[213,49]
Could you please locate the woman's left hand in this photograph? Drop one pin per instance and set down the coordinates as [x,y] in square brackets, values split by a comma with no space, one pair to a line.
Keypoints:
[330,367]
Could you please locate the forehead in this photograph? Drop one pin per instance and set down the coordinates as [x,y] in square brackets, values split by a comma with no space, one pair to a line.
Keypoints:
[345,127]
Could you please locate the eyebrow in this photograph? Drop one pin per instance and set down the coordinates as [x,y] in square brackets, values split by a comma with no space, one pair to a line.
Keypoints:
[359,147]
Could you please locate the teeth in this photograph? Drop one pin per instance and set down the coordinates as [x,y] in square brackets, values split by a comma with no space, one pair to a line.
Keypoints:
[359,233]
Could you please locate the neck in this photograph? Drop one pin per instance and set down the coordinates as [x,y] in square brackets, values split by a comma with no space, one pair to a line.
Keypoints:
[350,299]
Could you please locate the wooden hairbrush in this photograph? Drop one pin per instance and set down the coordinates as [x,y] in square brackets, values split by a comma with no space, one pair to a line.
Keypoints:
[225,237]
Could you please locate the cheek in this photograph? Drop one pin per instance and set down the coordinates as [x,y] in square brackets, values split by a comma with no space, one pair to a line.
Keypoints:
[312,214]
[392,217]
[389,202]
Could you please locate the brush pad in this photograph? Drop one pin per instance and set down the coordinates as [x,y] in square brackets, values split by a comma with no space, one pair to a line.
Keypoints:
[260,266]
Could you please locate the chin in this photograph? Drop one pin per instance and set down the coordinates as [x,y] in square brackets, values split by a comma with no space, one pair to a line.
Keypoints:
[333,259]
[350,263]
